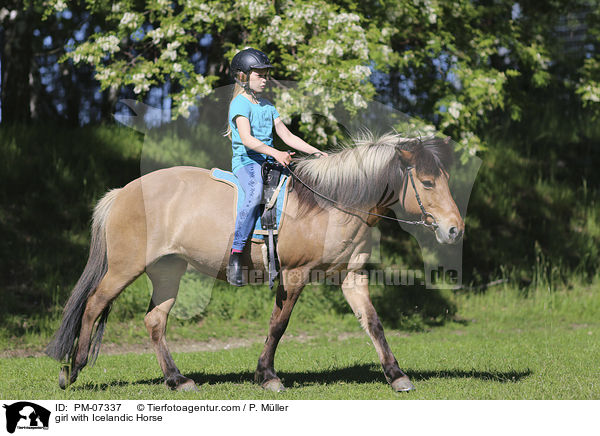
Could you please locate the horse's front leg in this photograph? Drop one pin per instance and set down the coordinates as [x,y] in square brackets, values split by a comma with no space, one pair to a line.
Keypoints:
[289,289]
[356,291]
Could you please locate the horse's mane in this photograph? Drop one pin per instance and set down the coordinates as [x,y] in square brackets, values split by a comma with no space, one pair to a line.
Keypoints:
[366,168]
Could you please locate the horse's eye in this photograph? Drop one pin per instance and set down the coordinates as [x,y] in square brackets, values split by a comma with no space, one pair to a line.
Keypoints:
[427,184]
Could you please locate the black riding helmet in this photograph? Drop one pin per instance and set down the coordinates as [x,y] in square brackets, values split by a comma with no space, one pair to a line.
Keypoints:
[247,60]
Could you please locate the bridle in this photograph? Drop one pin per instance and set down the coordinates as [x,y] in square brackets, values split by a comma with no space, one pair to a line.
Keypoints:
[424,214]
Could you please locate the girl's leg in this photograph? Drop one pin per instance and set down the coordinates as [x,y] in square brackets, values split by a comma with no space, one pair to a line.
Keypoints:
[250,178]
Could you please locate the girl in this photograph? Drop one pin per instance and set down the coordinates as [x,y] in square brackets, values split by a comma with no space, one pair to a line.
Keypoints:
[251,122]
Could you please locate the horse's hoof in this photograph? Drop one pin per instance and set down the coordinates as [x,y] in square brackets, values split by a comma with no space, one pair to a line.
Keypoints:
[63,377]
[403,384]
[188,386]
[180,383]
[273,385]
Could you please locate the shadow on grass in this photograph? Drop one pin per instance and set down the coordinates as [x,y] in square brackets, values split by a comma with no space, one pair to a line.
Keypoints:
[373,373]
[353,374]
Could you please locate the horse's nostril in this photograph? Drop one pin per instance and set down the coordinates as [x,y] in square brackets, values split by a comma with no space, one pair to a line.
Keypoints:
[454,233]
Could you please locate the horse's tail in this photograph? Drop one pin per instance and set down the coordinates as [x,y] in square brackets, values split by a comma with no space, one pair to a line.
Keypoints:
[64,340]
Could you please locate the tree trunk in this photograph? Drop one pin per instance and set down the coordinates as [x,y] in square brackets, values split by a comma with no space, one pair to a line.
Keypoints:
[16,56]
[110,97]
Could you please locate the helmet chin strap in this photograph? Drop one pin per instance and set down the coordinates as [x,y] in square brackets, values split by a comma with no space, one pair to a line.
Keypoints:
[246,86]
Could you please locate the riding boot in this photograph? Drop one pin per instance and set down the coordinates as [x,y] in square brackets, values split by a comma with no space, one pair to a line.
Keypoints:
[234,271]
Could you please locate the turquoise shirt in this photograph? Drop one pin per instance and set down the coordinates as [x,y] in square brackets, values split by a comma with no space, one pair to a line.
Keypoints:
[261,116]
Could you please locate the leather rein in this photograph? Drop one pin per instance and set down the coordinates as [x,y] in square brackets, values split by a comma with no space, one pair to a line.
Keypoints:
[424,214]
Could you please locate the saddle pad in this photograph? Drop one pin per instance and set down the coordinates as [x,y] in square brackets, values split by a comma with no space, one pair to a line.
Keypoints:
[230,178]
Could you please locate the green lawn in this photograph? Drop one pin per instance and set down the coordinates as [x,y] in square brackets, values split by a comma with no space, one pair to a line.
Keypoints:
[501,345]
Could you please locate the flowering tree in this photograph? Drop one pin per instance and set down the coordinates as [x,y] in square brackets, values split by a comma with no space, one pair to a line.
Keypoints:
[327,50]
[450,63]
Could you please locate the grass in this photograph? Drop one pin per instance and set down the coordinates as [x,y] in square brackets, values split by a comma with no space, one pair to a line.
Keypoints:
[502,344]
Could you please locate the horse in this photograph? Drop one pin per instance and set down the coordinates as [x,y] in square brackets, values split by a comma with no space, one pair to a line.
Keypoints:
[169,218]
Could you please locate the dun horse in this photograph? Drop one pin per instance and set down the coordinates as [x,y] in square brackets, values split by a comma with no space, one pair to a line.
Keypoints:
[170,218]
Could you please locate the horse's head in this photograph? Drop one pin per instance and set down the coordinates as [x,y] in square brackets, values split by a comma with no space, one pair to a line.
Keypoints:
[426,173]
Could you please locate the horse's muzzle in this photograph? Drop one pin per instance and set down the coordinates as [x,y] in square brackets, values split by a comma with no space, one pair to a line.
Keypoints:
[451,235]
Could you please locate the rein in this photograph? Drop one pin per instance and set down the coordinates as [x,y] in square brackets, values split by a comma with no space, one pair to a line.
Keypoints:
[424,214]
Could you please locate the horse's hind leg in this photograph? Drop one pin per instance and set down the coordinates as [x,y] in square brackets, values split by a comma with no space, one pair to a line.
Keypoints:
[165,276]
[109,288]
[288,291]
[356,291]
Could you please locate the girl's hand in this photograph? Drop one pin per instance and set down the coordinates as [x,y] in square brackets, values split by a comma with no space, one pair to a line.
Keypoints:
[284,157]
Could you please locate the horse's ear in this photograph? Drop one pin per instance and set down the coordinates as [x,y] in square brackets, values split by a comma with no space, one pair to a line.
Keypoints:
[446,140]
[408,157]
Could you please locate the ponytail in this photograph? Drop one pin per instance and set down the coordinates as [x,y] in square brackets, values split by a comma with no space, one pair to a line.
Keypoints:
[237,90]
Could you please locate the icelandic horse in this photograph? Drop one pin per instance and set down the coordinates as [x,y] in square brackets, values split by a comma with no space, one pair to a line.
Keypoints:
[167,219]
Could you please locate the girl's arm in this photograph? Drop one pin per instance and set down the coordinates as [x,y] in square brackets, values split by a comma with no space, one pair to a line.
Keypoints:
[243,125]
[292,140]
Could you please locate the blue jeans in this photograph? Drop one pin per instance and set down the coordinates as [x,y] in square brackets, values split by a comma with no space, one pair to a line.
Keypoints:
[250,177]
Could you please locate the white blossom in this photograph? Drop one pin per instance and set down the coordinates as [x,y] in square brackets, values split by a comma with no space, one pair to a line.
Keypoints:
[171,52]
[343,18]
[139,79]
[321,132]
[60,5]
[201,16]
[358,100]
[454,109]
[361,72]
[591,93]
[156,35]
[105,74]
[332,47]
[109,43]
[257,9]
[184,106]
[307,14]
[318,90]
[306,117]
[129,20]
[360,47]
[386,51]
[285,97]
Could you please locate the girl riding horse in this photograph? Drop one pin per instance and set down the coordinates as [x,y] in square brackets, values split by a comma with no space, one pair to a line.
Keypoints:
[251,121]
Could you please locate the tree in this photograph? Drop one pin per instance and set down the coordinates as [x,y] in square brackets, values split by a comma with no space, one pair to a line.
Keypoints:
[17,56]
[453,64]
[33,86]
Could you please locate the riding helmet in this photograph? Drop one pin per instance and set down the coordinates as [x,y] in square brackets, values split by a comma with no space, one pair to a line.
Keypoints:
[249,59]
